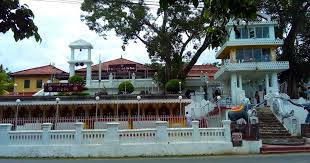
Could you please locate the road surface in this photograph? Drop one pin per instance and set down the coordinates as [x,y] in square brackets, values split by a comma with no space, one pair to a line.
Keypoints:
[279,158]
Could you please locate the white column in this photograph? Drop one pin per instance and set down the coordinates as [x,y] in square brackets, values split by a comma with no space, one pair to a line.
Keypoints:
[196,134]
[72,54]
[233,88]
[46,127]
[78,132]
[275,84]
[161,131]
[112,137]
[4,133]
[71,69]
[88,74]
[89,54]
[227,133]
[267,83]
[240,82]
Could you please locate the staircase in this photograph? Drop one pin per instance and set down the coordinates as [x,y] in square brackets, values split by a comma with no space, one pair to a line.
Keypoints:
[272,131]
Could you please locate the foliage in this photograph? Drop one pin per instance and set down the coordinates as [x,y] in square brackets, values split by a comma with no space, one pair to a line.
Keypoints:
[172,86]
[6,83]
[293,17]
[18,18]
[126,87]
[176,35]
[76,79]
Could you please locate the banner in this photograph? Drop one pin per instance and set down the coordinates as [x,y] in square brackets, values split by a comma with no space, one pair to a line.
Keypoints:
[62,87]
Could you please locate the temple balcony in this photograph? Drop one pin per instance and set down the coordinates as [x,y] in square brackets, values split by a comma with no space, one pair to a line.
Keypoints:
[243,43]
[251,68]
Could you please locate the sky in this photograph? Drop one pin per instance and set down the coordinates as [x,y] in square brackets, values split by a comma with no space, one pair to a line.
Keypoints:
[59,24]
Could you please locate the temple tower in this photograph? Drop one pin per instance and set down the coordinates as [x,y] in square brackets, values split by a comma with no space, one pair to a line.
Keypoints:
[73,62]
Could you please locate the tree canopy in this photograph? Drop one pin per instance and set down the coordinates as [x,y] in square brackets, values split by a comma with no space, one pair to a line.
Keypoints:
[293,17]
[19,19]
[176,34]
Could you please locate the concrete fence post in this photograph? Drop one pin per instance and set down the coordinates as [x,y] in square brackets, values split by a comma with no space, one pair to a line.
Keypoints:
[78,132]
[227,132]
[46,127]
[4,133]
[195,126]
[161,131]
[112,135]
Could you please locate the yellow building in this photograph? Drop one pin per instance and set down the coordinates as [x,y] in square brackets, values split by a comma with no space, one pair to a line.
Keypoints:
[29,81]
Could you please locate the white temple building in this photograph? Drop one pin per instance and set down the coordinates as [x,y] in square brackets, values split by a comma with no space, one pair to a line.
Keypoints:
[249,65]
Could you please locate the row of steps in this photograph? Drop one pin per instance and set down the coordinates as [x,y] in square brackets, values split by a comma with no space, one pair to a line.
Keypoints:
[272,132]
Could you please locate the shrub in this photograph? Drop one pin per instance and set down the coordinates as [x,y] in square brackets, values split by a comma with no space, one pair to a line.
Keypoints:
[76,79]
[129,87]
[172,86]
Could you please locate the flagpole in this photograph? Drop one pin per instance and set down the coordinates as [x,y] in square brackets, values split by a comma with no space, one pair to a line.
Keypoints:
[99,77]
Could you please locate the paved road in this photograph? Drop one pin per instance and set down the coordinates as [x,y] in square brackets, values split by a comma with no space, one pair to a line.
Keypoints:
[283,158]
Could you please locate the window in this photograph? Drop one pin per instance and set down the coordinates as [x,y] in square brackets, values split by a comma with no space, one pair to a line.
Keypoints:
[26,83]
[265,32]
[253,55]
[266,55]
[239,55]
[257,32]
[39,83]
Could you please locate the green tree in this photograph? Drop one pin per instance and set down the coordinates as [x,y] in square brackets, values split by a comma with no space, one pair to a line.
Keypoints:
[76,79]
[18,18]
[293,17]
[176,35]
[126,87]
[173,86]
[6,83]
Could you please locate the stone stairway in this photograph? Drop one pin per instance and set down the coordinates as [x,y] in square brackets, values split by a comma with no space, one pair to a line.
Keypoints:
[272,131]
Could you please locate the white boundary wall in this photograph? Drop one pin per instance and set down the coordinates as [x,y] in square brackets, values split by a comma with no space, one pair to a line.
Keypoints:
[112,142]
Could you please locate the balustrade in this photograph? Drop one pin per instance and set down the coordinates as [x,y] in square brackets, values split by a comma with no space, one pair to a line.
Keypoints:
[112,135]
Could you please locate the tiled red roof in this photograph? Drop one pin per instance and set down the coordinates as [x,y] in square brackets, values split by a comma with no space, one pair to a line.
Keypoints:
[119,61]
[198,70]
[43,70]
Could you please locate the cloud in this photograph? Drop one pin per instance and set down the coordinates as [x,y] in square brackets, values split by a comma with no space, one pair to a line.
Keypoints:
[59,24]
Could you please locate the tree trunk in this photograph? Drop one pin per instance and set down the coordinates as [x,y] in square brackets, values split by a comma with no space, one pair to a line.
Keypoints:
[292,89]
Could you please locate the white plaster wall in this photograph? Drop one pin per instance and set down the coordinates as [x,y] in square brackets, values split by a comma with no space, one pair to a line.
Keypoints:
[115,150]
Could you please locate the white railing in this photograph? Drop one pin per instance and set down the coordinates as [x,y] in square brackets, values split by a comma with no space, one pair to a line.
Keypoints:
[252,66]
[112,135]
[137,136]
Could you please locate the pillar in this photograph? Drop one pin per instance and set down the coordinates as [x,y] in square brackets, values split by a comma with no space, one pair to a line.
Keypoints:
[88,74]
[111,135]
[196,134]
[161,131]
[4,133]
[275,84]
[233,56]
[72,54]
[29,113]
[78,132]
[240,82]
[267,84]
[227,133]
[273,54]
[46,127]
[71,69]
[233,88]
[89,54]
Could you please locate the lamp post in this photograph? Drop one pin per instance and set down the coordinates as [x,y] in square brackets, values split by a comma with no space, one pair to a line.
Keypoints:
[16,113]
[57,111]
[138,98]
[180,88]
[152,87]
[218,106]
[180,100]
[97,99]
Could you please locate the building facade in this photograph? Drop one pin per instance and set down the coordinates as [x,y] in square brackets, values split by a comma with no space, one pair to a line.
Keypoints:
[249,66]
[30,81]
